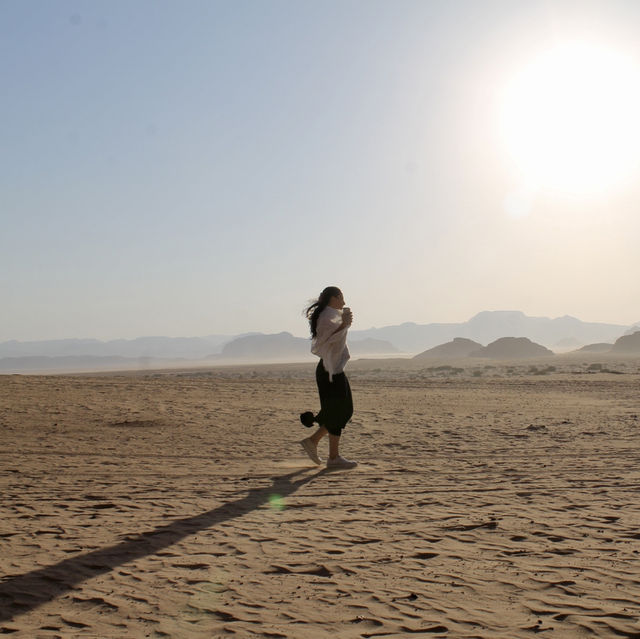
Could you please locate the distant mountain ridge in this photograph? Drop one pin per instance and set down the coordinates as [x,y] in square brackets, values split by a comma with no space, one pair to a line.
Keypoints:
[188,347]
[485,327]
[488,326]
[252,348]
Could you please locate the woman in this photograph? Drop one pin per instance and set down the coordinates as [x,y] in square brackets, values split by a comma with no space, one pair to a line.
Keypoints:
[329,322]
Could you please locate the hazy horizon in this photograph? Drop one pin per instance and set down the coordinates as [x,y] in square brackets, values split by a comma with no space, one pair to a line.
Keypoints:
[206,168]
[305,330]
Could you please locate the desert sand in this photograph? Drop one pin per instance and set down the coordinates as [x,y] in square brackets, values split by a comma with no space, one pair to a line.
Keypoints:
[491,500]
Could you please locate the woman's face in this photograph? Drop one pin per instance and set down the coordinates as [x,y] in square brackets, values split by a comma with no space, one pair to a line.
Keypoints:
[337,301]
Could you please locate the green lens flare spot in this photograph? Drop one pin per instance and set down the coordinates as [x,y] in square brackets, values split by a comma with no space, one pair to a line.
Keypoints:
[276,502]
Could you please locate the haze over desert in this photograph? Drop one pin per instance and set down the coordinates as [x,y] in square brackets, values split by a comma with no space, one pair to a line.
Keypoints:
[319,319]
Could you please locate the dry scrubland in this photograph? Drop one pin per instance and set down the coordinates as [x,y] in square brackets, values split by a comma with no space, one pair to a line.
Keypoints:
[493,499]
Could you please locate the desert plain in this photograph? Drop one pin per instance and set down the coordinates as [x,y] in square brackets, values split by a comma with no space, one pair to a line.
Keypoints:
[492,499]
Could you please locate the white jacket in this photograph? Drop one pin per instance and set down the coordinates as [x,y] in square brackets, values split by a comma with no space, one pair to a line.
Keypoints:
[329,345]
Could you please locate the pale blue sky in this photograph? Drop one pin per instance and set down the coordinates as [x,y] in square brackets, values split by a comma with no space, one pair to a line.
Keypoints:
[193,167]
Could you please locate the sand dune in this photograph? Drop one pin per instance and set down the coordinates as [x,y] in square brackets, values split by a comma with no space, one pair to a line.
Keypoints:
[179,505]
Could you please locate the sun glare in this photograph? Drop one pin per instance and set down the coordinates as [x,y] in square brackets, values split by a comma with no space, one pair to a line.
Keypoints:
[570,119]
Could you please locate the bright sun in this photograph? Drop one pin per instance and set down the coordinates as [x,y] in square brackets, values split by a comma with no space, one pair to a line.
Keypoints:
[571,119]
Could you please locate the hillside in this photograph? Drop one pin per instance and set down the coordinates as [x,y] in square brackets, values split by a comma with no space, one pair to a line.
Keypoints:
[627,344]
[458,347]
[513,348]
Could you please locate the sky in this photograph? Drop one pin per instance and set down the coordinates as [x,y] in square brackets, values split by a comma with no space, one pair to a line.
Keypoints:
[200,167]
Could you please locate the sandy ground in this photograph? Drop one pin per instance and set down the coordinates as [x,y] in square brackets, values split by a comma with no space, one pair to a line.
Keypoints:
[499,503]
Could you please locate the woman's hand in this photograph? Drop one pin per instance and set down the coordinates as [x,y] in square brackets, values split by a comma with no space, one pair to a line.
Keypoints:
[347,316]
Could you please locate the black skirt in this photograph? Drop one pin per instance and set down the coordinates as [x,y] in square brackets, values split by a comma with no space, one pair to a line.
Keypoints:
[336,403]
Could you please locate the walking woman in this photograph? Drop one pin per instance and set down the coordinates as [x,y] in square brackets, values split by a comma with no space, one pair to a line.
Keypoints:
[329,321]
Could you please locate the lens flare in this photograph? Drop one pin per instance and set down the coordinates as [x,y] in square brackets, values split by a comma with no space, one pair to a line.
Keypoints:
[276,502]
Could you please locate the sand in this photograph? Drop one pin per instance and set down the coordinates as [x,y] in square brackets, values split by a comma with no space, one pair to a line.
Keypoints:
[489,502]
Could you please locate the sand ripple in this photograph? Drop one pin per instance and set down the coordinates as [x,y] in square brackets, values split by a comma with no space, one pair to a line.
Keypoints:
[178,505]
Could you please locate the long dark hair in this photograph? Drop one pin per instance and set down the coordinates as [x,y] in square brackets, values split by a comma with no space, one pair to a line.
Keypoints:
[313,312]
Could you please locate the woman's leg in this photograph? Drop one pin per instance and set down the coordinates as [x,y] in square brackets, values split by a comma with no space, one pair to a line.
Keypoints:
[342,411]
[336,409]
[310,444]
[314,440]
[318,435]
[334,446]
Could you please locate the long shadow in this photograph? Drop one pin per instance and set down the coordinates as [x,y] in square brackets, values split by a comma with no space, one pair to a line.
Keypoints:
[22,593]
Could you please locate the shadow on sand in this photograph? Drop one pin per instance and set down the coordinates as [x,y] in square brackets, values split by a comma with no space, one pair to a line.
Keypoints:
[20,594]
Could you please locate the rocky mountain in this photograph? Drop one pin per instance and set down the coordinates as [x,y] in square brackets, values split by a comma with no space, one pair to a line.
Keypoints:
[459,347]
[279,346]
[627,344]
[601,347]
[512,348]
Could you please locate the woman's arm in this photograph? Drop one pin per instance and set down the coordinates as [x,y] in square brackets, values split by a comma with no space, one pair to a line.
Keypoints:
[331,330]
[346,322]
